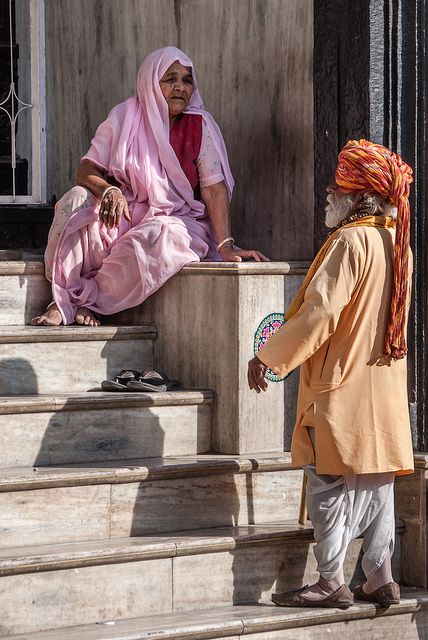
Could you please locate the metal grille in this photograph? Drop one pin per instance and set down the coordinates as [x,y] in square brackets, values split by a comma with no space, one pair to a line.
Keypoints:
[12,106]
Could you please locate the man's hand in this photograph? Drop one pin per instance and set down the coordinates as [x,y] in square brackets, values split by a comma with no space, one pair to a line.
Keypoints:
[256,375]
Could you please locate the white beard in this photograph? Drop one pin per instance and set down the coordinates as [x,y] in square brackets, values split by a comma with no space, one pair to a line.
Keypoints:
[338,208]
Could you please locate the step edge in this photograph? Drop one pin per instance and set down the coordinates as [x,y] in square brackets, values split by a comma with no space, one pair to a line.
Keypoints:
[31,266]
[277,268]
[169,548]
[170,545]
[80,402]
[23,334]
[23,268]
[315,617]
[234,621]
[128,473]
[421,460]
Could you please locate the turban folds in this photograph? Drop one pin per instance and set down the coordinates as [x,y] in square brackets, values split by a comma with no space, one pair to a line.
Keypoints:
[365,166]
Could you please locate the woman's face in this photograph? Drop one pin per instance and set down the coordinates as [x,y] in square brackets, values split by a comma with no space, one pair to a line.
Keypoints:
[177,87]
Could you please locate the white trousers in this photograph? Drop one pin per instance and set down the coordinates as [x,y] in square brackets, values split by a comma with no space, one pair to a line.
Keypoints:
[342,508]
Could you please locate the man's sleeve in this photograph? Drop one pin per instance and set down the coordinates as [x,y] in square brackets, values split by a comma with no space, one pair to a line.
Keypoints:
[329,291]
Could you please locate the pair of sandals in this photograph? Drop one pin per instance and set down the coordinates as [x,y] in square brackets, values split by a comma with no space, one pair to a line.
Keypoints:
[142,381]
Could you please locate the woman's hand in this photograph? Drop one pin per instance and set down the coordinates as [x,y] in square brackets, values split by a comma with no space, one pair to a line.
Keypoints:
[113,206]
[232,253]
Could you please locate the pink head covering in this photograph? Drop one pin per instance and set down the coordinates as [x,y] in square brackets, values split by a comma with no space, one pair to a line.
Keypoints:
[133,143]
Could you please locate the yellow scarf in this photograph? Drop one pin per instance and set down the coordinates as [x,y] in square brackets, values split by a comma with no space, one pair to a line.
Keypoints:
[368,221]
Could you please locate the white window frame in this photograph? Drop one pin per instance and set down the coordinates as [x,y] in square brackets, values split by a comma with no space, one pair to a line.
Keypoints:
[38,109]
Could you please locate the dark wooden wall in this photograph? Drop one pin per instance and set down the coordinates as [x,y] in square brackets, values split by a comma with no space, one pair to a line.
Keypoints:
[341,105]
[371,80]
[254,64]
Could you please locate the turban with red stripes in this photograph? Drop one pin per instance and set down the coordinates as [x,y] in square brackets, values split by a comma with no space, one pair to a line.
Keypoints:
[365,166]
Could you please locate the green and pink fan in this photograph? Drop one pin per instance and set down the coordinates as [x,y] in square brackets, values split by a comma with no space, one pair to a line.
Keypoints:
[268,326]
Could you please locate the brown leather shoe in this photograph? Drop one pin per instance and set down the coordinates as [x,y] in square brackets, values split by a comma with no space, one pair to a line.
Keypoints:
[342,598]
[385,596]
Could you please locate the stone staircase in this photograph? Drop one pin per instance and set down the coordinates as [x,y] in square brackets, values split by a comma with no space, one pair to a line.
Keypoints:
[117,520]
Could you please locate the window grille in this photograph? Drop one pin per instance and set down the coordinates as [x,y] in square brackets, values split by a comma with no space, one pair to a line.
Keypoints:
[23,120]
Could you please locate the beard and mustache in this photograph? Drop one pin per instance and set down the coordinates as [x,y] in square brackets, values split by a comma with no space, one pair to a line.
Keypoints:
[338,207]
[341,205]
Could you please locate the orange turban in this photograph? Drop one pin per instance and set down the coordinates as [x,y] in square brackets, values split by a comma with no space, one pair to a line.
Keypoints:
[365,166]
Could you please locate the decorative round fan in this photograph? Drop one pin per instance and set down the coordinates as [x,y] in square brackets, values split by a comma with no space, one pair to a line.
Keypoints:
[265,330]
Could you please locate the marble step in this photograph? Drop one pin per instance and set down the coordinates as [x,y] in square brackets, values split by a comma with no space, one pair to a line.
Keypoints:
[405,621]
[42,430]
[93,582]
[197,542]
[24,290]
[69,359]
[144,496]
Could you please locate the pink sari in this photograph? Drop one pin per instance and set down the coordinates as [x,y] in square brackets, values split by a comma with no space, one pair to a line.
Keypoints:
[111,270]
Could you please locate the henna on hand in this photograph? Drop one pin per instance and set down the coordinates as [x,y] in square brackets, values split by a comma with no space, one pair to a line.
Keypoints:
[113,206]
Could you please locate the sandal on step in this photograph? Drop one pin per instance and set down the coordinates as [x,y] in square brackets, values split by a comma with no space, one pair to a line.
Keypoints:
[138,385]
[120,381]
[152,382]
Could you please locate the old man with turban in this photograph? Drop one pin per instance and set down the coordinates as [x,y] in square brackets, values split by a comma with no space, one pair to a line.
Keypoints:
[346,329]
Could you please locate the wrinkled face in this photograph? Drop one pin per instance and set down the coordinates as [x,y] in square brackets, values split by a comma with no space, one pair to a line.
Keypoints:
[338,206]
[177,87]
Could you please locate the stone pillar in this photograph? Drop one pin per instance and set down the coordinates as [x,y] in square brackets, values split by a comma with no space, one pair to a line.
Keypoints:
[206,318]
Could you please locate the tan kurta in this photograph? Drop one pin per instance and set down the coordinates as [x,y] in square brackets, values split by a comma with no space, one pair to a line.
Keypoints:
[359,408]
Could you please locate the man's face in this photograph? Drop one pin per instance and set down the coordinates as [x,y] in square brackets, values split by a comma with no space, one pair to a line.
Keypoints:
[338,206]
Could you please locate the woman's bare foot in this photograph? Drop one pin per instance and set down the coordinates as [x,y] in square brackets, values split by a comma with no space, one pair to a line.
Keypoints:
[87,317]
[50,318]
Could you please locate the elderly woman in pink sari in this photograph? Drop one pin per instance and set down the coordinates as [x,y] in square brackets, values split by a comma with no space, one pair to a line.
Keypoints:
[153,195]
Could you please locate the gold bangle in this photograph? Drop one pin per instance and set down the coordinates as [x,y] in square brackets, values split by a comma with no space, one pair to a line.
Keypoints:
[105,192]
[223,242]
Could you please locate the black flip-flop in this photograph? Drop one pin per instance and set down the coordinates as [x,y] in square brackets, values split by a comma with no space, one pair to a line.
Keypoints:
[120,381]
[152,381]
[138,385]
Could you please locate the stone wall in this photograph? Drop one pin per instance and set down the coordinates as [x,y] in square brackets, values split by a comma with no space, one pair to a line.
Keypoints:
[254,64]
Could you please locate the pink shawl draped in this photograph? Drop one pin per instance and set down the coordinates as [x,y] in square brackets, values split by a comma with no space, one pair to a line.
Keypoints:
[133,143]
[109,270]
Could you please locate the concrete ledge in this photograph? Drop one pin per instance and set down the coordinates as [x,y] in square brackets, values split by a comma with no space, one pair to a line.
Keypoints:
[13,263]
[246,268]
